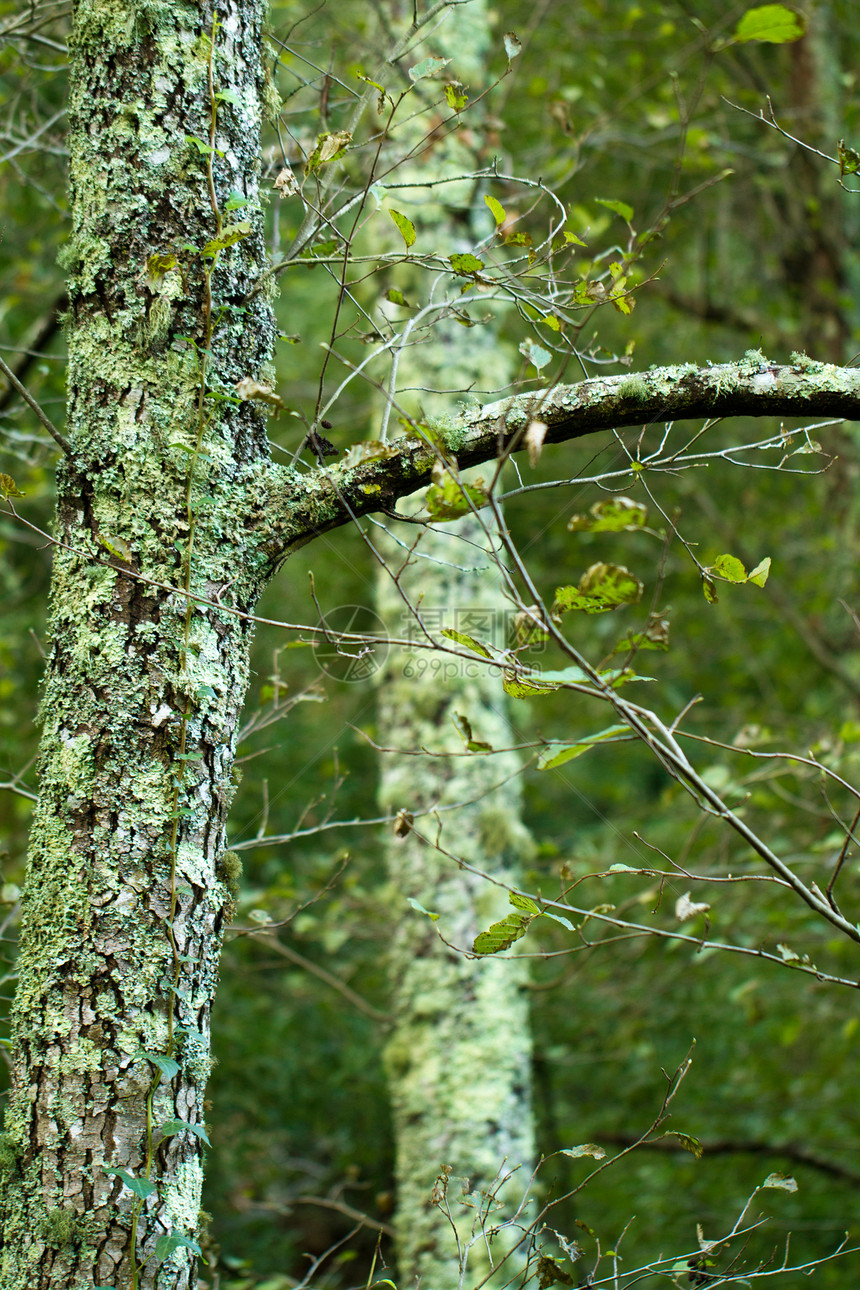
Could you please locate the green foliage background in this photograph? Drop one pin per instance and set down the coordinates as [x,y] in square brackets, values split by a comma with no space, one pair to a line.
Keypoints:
[601,103]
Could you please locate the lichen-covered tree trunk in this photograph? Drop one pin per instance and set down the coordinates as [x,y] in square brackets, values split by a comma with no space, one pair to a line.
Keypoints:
[127,885]
[459,1055]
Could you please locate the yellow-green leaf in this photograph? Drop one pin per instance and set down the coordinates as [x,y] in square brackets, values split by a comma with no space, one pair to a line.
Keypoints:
[497,211]
[601,587]
[469,641]
[405,227]
[615,515]
[773,23]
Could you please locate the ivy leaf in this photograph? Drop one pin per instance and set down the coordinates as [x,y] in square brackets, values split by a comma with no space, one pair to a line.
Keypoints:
[165,1245]
[616,515]
[141,1187]
[227,237]
[170,1127]
[601,587]
[772,23]
[405,227]
[167,1065]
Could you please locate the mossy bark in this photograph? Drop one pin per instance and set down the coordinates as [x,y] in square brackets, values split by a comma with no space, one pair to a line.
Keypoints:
[459,1055]
[125,897]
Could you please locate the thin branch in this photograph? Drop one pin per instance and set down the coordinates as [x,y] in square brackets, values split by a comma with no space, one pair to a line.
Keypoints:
[43,416]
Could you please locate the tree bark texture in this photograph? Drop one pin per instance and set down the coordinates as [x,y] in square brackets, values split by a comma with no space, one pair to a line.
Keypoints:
[127,890]
[459,1055]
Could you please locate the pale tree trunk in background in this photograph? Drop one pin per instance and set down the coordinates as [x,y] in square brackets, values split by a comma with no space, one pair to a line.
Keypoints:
[126,890]
[459,1056]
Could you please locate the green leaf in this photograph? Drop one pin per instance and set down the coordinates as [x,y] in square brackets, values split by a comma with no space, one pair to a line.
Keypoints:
[236,201]
[165,1245]
[157,265]
[571,238]
[416,905]
[330,146]
[201,145]
[455,97]
[551,1273]
[141,1187]
[709,589]
[620,208]
[772,23]
[730,568]
[520,687]
[451,499]
[497,211]
[167,1065]
[556,754]
[601,587]
[405,227]
[655,636]
[117,547]
[8,487]
[687,1141]
[463,726]
[469,641]
[427,67]
[170,1127]
[759,574]
[227,237]
[502,935]
[227,96]
[465,264]
[536,354]
[395,297]
[781,1182]
[523,903]
[367,450]
[615,515]
[586,1149]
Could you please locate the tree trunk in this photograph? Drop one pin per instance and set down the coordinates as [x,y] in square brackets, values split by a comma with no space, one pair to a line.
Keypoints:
[127,887]
[459,1055]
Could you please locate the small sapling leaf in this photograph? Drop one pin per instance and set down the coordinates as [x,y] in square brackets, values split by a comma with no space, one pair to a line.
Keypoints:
[141,1187]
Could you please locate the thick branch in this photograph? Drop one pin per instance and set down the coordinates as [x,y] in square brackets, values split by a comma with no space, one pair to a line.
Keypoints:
[753,387]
